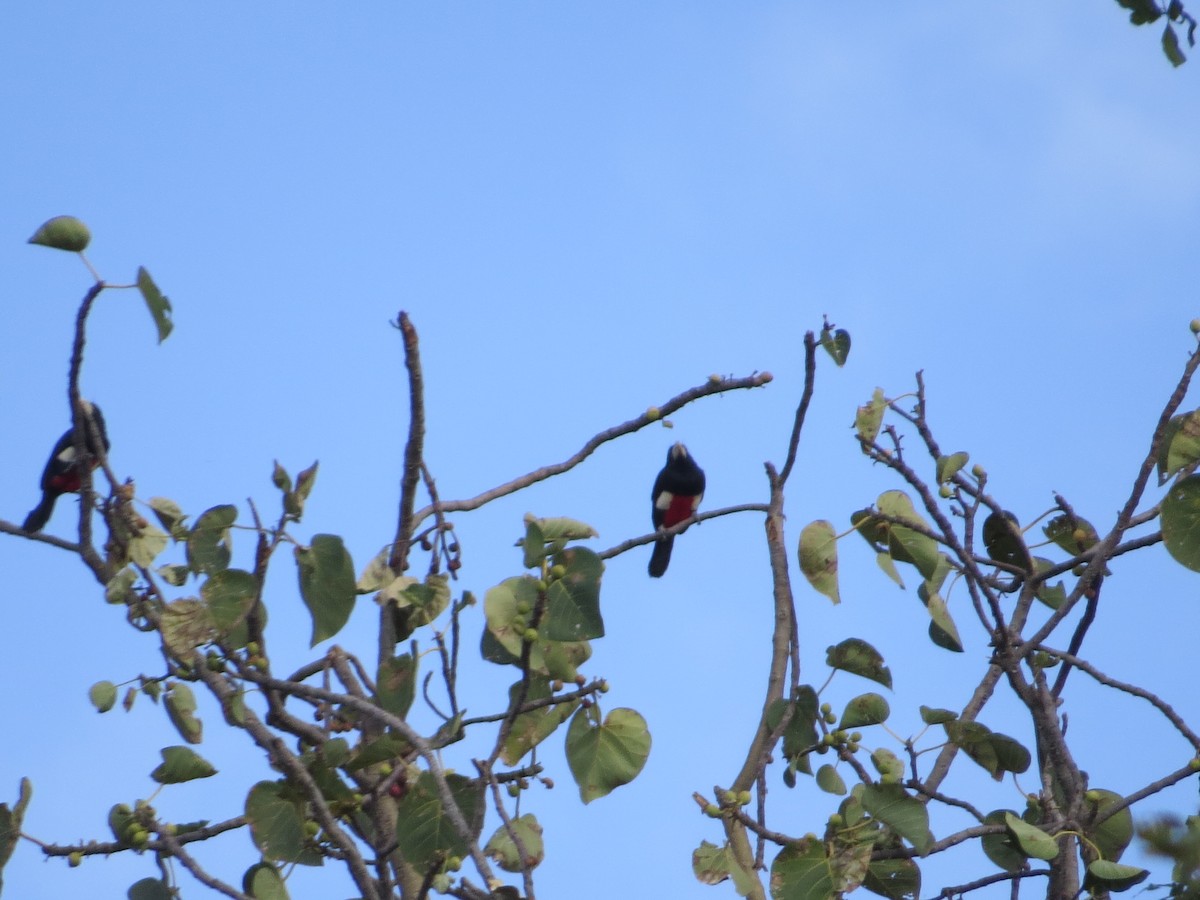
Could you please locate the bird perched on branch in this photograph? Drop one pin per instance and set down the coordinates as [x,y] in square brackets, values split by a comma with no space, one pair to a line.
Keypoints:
[677,492]
[64,472]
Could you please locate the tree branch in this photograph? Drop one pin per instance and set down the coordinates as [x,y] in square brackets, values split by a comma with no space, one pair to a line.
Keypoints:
[709,388]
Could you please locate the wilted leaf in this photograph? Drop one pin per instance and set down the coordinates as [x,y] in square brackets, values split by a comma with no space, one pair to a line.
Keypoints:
[869,418]
[712,865]
[503,848]
[157,303]
[819,558]
[180,704]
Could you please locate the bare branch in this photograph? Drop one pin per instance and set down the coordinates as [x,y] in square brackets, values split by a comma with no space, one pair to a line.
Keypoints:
[709,388]
[680,527]
[810,379]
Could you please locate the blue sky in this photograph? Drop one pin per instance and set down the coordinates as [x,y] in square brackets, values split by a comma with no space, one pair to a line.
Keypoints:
[586,209]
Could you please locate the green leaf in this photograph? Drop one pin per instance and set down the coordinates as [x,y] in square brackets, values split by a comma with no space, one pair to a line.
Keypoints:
[1052,595]
[396,684]
[1075,535]
[280,478]
[326,584]
[606,756]
[859,658]
[1002,849]
[869,417]
[802,872]
[573,601]
[531,728]
[208,541]
[293,501]
[180,704]
[1181,522]
[865,709]
[1170,45]
[500,605]
[182,764]
[10,824]
[1032,841]
[276,823]
[503,849]
[63,233]
[712,865]
[1004,543]
[836,344]
[1011,755]
[942,630]
[157,303]
[819,559]
[423,829]
[230,595]
[262,881]
[149,889]
[1113,835]
[949,466]
[908,545]
[103,695]
[534,544]
[905,815]
[830,781]
[1115,876]
[933,716]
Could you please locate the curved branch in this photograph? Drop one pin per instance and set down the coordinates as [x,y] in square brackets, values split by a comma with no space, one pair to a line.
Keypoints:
[709,388]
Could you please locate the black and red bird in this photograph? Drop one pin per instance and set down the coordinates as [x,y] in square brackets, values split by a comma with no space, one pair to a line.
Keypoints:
[64,473]
[677,492]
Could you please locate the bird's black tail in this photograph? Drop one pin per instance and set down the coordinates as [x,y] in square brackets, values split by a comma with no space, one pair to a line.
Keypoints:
[40,514]
[661,556]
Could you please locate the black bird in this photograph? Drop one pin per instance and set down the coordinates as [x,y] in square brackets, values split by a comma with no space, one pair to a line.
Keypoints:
[677,492]
[64,472]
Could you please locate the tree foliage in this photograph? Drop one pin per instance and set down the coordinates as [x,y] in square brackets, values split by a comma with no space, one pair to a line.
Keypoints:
[358,785]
